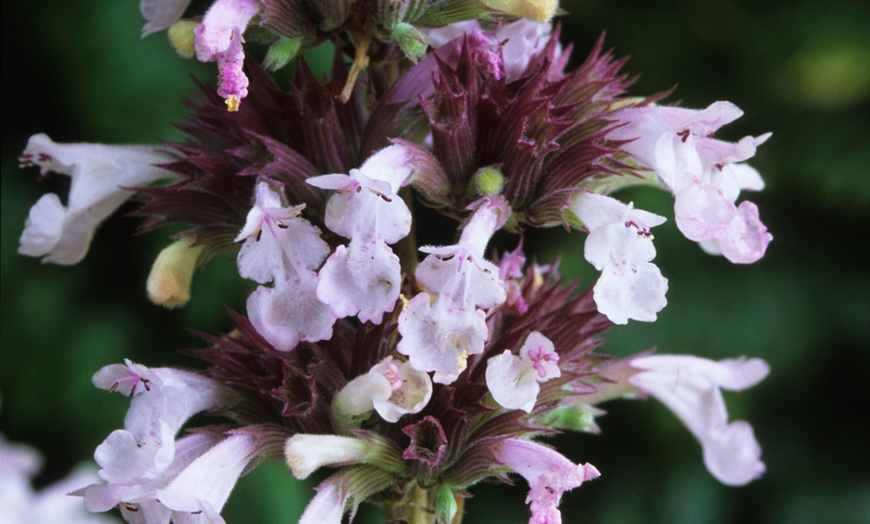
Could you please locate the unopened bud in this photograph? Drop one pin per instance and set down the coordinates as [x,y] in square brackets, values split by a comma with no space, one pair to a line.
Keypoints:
[539,10]
[411,40]
[307,453]
[169,281]
[281,53]
[445,505]
[488,181]
[182,38]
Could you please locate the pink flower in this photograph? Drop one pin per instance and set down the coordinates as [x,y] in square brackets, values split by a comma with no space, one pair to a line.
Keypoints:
[620,246]
[219,39]
[101,176]
[363,278]
[691,388]
[514,380]
[440,335]
[392,388]
[281,246]
[703,173]
[548,473]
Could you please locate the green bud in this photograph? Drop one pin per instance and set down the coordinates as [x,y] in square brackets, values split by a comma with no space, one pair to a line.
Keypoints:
[488,181]
[411,40]
[182,38]
[445,505]
[573,418]
[281,53]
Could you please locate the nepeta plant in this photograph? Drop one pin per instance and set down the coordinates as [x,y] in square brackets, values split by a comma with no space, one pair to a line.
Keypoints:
[412,370]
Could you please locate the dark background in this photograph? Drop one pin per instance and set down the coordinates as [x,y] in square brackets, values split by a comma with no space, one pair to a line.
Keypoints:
[79,72]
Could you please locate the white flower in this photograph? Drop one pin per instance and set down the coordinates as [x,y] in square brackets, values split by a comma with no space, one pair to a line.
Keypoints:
[101,178]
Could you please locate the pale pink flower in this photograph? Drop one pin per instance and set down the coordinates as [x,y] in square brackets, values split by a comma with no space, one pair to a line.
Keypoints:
[691,388]
[101,180]
[281,246]
[703,173]
[392,388]
[620,246]
[364,277]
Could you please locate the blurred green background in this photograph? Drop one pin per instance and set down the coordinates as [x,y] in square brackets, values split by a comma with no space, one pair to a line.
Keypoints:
[79,72]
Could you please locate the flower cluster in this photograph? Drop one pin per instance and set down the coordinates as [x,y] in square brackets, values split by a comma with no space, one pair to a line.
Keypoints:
[414,376]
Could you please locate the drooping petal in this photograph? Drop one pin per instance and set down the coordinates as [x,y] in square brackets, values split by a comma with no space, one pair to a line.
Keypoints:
[690,387]
[746,238]
[62,235]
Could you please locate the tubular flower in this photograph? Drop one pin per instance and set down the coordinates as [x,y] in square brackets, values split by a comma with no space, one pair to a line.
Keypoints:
[690,387]
[103,178]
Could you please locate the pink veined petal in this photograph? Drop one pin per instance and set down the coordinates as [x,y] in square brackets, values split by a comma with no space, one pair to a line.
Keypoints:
[290,312]
[539,350]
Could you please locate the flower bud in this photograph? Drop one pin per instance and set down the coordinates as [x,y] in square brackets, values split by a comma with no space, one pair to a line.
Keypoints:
[540,10]
[169,281]
[281,53]
[181,37]
[488,181]
[306,453]
[445,505]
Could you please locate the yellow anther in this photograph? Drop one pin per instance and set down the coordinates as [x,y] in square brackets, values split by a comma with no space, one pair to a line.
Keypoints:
[233,102]
[462,360]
